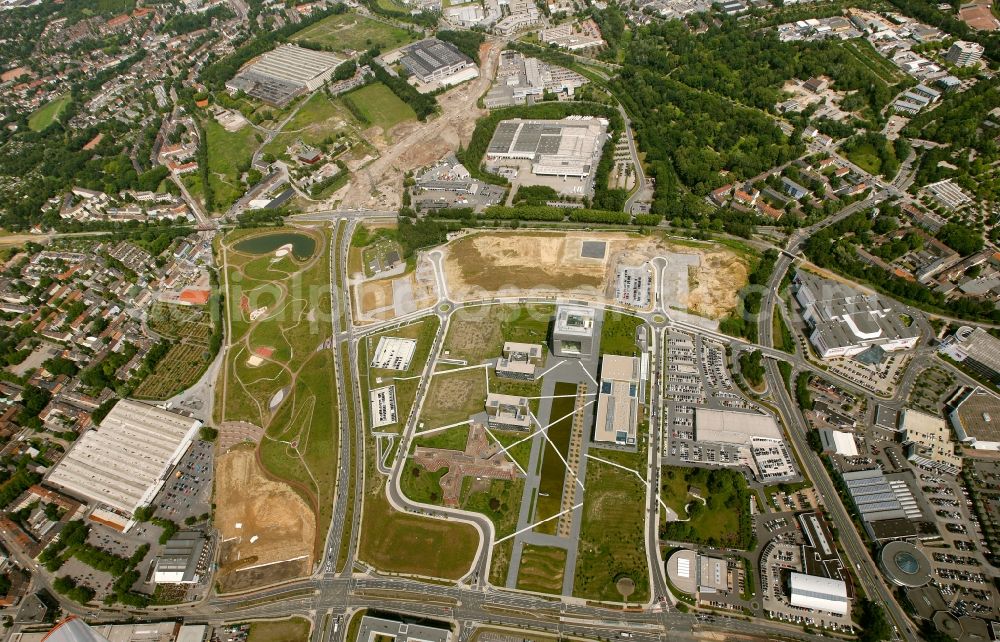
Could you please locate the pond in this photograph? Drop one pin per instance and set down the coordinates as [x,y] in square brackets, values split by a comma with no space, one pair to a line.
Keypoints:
[303,246]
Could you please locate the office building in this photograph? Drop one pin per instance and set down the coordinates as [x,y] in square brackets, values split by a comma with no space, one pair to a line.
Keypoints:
[904,565]
[574,332]
[964,54]
[123,462]
[845,322]
[978,350]
[618,400]
[282,74]
[507,412]
[520,360]
[927,442]
[378,629]
[693,573]
[818,593]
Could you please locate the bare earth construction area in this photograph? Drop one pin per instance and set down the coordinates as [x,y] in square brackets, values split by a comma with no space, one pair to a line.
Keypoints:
[267,529]
[703,279]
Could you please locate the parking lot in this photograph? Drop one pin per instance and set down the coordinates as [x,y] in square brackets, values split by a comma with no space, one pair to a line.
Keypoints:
[187,493]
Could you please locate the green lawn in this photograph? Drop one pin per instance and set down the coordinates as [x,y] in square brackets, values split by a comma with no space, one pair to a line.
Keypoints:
[229,155]
[618,333]
[612,543]
[48,113]
[347,32]
[320,120]
[550,487]
[380,106]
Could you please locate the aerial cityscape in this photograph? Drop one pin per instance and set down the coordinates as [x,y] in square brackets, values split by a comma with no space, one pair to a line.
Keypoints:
[499,320]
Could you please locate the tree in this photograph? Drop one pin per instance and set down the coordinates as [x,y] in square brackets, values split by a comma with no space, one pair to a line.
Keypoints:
[870,617]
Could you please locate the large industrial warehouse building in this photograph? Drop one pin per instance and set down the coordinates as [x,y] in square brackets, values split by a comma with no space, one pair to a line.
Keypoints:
[567,147]
[123,462]
[436,61]
[284,73]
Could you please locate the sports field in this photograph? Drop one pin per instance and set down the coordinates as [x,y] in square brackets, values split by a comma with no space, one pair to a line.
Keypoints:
[380,106]
[349,32]
[229,155]
[612,546]
[542,569]
[47,114]
[276,376]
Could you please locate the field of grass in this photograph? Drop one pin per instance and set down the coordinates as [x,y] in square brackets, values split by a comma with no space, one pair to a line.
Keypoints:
[320,120]
[380,106]
[229,155]
[550,487]
[397,542]
[294,629]
[48,113]
[478,333]
[865,157]
[349,32]
[454,397]
[618,333]
[182,366]
[612,544]
[722,521]
[300,442]
[542,569]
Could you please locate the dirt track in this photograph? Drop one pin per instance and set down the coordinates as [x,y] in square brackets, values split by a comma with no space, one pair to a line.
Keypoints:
[378,186]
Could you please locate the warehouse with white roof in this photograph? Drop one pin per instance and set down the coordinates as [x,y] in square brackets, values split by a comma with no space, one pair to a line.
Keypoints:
[819,593]
[122,463]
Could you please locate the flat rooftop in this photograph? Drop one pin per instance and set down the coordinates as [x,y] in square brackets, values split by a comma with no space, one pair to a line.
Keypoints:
[426,57]
[732,427]
[573,319]
[122,462]
[294,64]
[978,417]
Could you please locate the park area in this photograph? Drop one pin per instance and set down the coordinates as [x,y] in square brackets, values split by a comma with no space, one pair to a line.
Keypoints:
[347,33]
[713,504]
[48,113]
[611,560]
[191,328]
[275,376]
